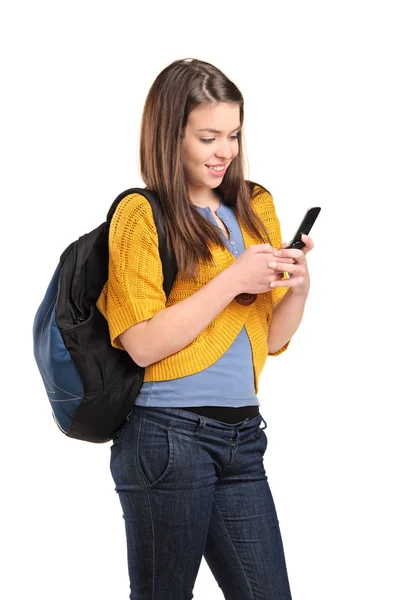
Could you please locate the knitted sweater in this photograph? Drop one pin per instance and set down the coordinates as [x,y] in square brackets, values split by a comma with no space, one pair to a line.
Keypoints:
[134,290]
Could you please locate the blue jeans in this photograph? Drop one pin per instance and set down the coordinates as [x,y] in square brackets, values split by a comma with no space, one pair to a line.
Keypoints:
[191,486]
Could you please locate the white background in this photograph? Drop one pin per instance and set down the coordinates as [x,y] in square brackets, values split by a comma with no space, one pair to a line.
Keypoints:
[321,88]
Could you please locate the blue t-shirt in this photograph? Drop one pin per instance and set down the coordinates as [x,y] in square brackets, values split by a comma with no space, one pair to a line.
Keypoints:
[230,380]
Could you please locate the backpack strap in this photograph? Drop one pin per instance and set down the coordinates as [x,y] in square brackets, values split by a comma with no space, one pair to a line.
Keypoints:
[168,261]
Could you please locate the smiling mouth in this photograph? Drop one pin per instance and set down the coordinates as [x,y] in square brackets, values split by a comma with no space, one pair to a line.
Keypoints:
[217,168]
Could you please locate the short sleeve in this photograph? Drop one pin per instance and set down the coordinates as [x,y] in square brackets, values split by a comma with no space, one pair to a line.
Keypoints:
[134,289]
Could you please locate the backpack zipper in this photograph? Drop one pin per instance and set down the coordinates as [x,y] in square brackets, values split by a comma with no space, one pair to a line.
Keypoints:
[79,316]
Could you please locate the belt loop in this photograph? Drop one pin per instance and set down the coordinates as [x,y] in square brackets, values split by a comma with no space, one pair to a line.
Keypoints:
[263,422]
[201,425]
[243,424]
[237,429]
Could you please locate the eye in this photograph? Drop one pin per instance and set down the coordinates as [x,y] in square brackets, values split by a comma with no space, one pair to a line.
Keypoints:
[209,140]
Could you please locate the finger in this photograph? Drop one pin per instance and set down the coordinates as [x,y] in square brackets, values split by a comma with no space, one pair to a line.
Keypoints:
[270,256]
[298,255]
[307,240]
[263,248]
[284,244]
[292,269]
[282,261]
[280,267]
[309,244]
[286,283]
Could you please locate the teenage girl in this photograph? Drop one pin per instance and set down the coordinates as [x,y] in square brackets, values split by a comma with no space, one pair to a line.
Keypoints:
[188,462]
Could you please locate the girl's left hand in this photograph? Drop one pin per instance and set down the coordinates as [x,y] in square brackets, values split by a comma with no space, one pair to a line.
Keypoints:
[299,277]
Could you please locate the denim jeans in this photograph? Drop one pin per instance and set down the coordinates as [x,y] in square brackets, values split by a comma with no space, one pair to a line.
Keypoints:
[191,486]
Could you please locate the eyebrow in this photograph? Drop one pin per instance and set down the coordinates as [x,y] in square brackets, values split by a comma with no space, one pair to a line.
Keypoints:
[217,130]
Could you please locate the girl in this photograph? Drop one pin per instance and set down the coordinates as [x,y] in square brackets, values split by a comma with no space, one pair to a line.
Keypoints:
[188,462]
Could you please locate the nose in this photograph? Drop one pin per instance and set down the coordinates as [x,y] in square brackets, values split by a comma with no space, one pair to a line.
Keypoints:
[225,150]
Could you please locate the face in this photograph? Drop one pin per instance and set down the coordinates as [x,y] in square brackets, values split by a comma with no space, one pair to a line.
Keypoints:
[202,149]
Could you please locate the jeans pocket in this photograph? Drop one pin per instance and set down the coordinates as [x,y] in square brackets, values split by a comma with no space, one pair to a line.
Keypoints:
[261,426]
[263,435]
[154,451]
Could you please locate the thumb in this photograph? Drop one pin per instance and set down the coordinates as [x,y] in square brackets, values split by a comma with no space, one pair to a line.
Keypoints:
[264,248]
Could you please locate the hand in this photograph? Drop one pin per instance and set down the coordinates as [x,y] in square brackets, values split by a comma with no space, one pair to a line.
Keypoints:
[251,272]
[299,278]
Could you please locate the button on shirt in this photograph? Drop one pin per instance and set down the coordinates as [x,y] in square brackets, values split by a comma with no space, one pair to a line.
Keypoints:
[230,380]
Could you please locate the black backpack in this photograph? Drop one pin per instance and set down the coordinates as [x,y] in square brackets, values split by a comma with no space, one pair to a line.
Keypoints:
[91,385]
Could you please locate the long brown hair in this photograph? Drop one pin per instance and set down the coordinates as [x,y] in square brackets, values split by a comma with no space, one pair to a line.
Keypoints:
[177,90]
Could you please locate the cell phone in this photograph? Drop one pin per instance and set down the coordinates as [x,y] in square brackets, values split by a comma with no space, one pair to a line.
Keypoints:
[305,227]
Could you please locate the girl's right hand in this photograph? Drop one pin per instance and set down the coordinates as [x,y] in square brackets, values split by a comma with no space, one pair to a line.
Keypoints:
[251,272]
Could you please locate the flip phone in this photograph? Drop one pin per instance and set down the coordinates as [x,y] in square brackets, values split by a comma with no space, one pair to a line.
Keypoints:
[305,227]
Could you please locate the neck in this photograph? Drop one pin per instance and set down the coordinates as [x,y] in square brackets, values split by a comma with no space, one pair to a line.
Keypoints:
[212,201]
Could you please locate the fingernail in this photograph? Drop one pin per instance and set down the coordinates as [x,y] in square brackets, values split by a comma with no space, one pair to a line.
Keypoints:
[277,252]
[304,235]
[272,265]
[272,284]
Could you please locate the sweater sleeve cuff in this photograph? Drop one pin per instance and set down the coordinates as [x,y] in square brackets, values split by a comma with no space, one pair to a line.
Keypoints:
[126,316]
[280,350]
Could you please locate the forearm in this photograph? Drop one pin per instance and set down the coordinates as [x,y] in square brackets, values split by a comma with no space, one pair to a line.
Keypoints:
[175,327]
[286,318]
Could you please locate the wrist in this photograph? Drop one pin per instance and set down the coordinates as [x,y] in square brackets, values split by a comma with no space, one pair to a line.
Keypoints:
[300,293]
[232,280]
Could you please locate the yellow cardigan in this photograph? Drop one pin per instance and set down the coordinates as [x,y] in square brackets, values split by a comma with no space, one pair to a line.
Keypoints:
[134,290]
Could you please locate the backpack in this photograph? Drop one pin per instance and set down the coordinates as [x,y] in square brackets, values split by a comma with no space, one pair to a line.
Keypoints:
[91,385]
